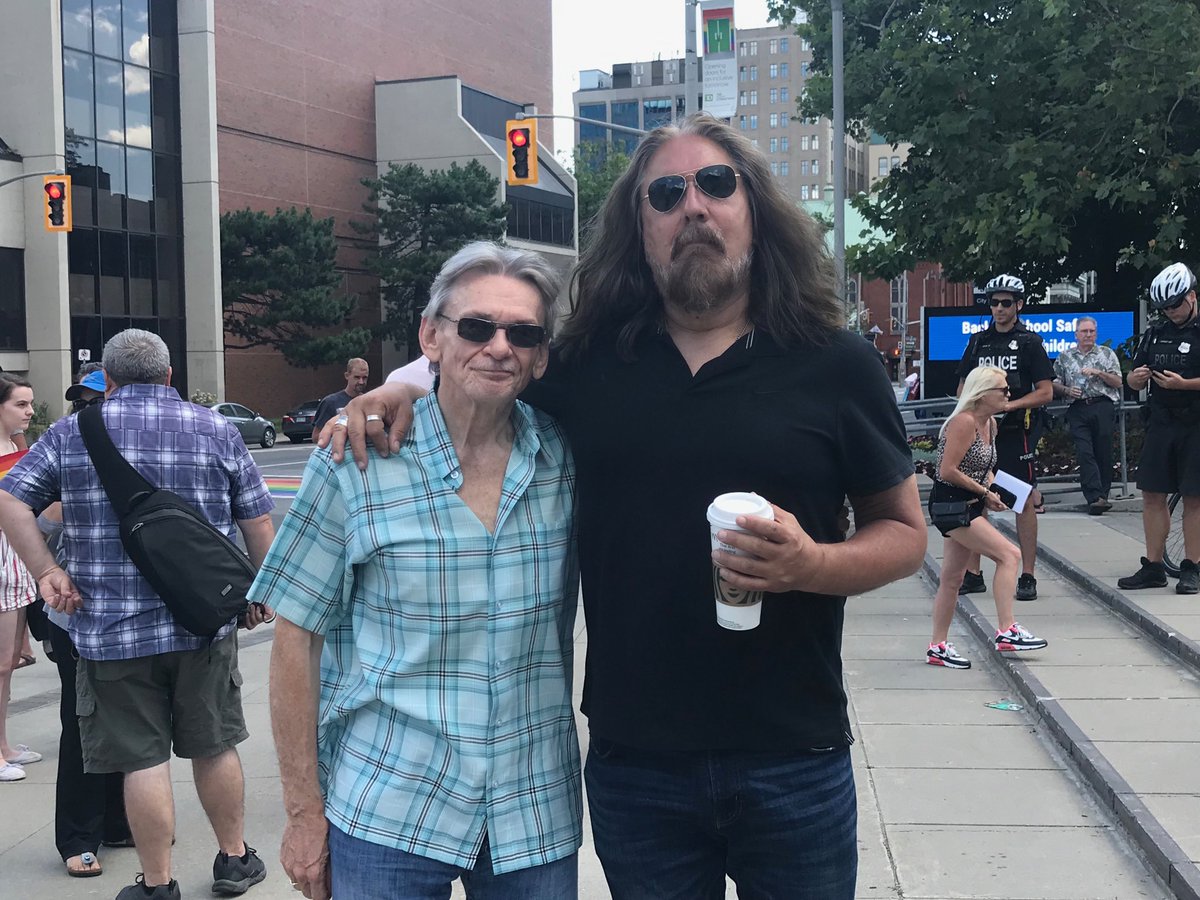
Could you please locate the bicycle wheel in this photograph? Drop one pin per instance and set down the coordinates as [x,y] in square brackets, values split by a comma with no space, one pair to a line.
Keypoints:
[1174,552]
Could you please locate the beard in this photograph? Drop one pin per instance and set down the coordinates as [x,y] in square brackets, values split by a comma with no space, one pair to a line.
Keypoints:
[700,278]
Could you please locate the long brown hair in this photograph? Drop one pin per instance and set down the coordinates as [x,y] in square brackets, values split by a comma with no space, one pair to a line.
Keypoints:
[793,294]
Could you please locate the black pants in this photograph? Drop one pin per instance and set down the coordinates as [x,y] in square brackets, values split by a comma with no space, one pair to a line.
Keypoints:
[1092,428]
[88,809]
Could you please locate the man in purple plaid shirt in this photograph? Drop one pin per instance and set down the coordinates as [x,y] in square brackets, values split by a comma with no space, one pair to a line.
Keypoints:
[144,683]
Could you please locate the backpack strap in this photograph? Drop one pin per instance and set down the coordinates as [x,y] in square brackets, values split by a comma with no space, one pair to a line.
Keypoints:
[123,483]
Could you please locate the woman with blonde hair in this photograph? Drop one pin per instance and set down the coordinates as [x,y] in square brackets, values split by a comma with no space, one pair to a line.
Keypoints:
[961,495]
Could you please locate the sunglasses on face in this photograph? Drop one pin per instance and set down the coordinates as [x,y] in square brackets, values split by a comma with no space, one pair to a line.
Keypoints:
[718,182]
[480,331]
[996,301]
[1176,304]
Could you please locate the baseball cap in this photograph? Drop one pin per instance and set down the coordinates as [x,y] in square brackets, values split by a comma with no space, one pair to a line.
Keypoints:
[92,380]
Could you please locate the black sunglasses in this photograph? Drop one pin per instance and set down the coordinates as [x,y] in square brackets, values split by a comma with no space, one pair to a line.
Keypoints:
[719,182]
[1176,304]
[995,301]
[480,331]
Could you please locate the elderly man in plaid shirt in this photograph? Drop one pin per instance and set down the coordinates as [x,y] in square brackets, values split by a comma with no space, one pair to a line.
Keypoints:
[144,684]
[436,594]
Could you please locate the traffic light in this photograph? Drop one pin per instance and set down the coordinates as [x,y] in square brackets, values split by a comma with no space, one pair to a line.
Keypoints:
[58,202]
[521,138]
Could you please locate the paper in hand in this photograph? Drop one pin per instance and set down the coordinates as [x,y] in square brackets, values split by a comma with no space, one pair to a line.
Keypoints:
[1020,490]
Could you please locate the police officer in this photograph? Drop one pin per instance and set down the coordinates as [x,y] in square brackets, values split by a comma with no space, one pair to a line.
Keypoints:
[1009,345]
[1168,360]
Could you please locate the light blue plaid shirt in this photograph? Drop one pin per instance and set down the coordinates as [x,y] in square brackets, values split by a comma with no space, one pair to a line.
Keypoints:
[445,710]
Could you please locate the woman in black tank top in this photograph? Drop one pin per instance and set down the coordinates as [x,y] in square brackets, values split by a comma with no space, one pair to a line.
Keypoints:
[966,456]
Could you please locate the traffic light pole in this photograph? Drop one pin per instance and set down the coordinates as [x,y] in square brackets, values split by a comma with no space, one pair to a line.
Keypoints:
[28,175]
[595,122]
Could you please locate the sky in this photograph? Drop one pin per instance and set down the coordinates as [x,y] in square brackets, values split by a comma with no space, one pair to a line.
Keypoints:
[591,35]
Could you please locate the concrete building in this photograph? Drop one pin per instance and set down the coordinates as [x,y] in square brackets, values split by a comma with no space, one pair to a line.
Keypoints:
[169,112]
[883,157]
[773,66]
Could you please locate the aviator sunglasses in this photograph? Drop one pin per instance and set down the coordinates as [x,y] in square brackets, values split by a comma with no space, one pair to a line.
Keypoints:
[480,331]
[718,181]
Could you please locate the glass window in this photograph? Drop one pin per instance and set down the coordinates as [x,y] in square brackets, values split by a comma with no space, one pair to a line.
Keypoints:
[895,162]
[804,142]
[77,24]
[164,97]
[784,168]
[655,112]
[81,166]
[783,70]
[883,166]
[742,72]
[164,35]
[774,95]
[816,143]
[805,44]
[783,95]
[741,50]
[110,185]
[774,168]
[754,73]
[113,268]
[741,98]
[783,45]
[754,98]
[754,48]
[135,22]
[804,192]
[106,27]
[754,141]
[742,122]
[141,275]
[774,145]
[110,101]
[12,298]
[774,46]
[774,70]
[783,144]
[803,70]
[774,120]
[816,167]
[81,271]
[753,122]
[78,93]
[166,194]
[137,106]
[169,277]
[804,167]
[139,188]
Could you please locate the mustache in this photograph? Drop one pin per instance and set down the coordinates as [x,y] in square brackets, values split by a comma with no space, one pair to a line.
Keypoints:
[696,233]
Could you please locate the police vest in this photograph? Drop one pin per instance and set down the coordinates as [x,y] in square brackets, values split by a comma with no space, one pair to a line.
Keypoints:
[1167,347]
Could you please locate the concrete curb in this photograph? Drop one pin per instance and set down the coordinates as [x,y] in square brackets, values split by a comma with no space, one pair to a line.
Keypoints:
[1183,647]
[1165,857]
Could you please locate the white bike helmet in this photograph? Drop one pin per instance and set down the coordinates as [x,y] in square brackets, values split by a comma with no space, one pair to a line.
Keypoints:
[1170,285]
[1006,284]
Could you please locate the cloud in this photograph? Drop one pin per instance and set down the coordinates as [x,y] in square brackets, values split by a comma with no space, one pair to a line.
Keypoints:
[139,50]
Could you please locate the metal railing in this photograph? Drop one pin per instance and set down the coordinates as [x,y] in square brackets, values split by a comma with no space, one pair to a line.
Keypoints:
[925,418]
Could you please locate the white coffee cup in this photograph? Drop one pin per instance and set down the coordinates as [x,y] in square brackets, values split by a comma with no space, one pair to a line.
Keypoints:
[737,610]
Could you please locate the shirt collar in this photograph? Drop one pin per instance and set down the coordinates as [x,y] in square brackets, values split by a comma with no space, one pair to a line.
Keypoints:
[159,391]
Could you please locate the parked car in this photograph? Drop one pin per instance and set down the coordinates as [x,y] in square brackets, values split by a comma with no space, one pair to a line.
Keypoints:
[298,423]
[253,427]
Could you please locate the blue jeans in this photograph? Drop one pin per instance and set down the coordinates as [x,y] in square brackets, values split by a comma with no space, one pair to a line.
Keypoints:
[361,870]
[666,826]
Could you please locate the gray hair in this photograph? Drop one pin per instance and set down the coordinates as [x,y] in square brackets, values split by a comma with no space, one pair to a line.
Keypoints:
[487,258]
[1083,319]
[134,356]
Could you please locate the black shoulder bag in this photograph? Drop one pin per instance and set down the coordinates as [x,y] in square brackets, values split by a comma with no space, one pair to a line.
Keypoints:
[201,576]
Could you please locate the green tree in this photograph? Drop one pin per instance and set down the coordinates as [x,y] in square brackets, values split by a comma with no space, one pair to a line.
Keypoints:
[596,165]
[422,219]
[280,287]
[1049,137]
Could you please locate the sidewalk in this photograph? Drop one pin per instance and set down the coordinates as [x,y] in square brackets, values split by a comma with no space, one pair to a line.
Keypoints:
[955,799]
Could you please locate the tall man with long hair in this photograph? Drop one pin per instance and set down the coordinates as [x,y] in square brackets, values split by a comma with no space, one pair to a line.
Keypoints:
[704,354]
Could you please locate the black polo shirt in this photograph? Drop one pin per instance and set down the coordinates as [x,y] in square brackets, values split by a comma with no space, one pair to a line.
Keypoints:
[1174,348]
[653,446]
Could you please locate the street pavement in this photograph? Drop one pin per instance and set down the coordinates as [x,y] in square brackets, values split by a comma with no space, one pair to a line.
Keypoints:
[956,799]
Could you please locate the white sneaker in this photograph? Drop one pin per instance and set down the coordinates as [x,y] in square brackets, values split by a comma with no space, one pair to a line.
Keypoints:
[24,756]
[1017,639]
[10,772]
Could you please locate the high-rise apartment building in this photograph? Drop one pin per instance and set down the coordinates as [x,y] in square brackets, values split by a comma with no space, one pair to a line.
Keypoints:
[773,66]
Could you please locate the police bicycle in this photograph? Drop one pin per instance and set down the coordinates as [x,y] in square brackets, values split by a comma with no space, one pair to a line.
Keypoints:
[1174,552]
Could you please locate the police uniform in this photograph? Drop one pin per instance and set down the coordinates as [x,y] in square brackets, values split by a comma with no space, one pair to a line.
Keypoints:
[1022,355]
[1170,459]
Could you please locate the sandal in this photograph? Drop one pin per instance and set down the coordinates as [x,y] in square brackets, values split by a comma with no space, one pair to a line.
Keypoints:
[27,659]
[85,866]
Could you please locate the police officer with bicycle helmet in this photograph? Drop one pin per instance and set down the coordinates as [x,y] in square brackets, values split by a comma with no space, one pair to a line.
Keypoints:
[1009,345]
[1168,360]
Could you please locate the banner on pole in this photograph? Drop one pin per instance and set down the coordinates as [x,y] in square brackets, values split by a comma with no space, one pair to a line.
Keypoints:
[720,58]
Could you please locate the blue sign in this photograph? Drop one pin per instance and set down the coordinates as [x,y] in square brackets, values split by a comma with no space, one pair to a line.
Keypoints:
[946,336]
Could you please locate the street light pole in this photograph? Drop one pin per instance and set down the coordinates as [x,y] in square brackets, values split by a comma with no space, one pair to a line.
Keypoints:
[27,175]
[690,80]
[839,159]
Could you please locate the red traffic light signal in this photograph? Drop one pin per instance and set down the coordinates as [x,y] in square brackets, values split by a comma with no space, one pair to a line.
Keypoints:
[58,202]
[521,141]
